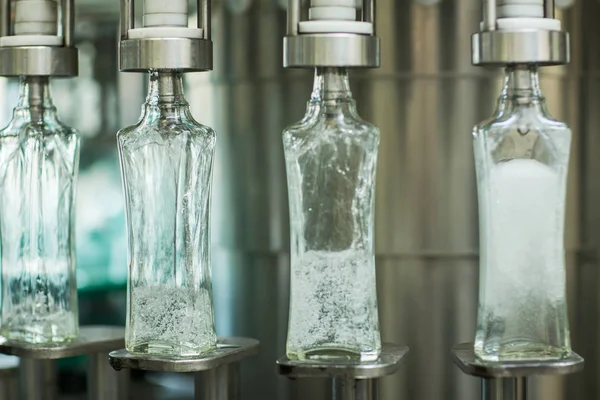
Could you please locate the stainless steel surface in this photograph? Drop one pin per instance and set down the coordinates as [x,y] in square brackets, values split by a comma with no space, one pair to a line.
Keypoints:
[103,382]
[127,18]
[38,61]
[331,50]
[92,339]
[489,15]
[229,350]
[9,378]
[503,47]
[388,363]
[37,379]
[204,18]
[369,12]
[464,357]
[351,389]
[68,22]
[548,8]
[221,383]
[184,54]
[5,19]
[294,11]
[504,389]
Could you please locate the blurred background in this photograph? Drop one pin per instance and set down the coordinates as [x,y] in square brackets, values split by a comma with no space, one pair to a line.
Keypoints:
[425,98]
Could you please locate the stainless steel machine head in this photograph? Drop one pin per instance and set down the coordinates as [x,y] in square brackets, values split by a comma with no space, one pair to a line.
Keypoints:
[313,48]
[184,49]
[25,58]
[509,45]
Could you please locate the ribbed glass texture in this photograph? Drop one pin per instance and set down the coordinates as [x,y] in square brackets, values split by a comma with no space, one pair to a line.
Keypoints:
[331,158]
[522,155]
[39,157]
[166,161]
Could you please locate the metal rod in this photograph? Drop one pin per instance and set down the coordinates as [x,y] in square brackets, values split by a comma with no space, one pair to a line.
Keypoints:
[489,15]
[293,16]
[68,22]
[127,17]
[548,8]
[9,383]
[204,10]
[369,10]
[231,380]
[5,22]
[351,389]
[37,379]
[103,382]
[199,16]
[504,389]
[221,383]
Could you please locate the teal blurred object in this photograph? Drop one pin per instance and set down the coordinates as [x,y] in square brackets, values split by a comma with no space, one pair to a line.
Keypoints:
[101,240]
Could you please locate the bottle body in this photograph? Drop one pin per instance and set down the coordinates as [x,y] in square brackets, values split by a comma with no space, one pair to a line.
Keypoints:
[39,159]
[522,158]
[331,158]
[166,162]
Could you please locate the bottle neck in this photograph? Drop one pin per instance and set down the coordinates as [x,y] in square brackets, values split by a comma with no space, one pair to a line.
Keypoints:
[522,84]
[35,98]
[331,84]
[165,93]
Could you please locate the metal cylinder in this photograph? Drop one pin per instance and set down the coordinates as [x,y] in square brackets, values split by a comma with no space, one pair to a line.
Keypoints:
[5,20]
[221,383]
[548,8]
[204,18]
[127,17]
[103,382]
[37,379]
[489,15]
[369,9]
[353,389]
[68,22]
[504,389]
[293,16]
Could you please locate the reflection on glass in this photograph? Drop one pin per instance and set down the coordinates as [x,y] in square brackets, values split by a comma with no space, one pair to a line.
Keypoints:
[331,159]
[39,158]
[521,158]
[166,161]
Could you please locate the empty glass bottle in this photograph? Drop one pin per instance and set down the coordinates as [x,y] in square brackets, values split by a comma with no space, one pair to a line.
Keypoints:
[166,161]
[39,157]
[522,156]
[331,157]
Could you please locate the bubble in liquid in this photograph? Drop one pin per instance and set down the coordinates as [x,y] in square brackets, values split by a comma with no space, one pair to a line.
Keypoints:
[523,129]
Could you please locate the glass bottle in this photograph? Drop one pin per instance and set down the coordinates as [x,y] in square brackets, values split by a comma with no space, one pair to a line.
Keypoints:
[331,158]
[166,162]
[39,158]
[521,157]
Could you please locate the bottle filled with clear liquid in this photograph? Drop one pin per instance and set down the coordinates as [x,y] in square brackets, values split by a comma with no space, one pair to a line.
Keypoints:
[39,158]
[331,158]
[522,155]
[166,162]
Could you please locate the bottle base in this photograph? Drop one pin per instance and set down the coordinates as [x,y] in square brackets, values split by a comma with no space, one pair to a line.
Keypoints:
[176,350]
[36,337]
[521,352]
[333,353]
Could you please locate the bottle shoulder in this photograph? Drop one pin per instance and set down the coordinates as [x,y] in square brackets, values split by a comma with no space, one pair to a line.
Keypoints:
[535,137]
[330,128]
[522,122]
[167,132]
[27,128]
